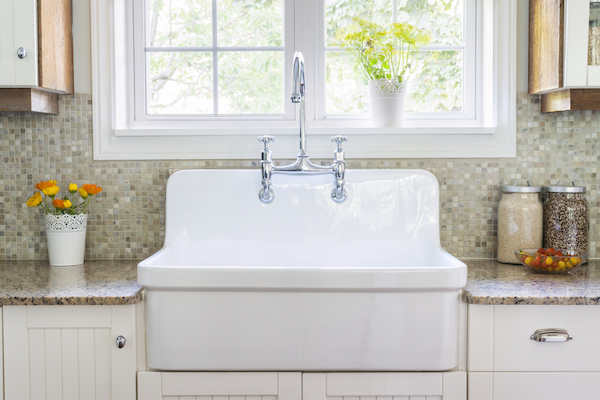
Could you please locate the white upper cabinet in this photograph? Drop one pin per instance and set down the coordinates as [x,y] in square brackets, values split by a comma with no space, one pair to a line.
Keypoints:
[581,49]
[18,29]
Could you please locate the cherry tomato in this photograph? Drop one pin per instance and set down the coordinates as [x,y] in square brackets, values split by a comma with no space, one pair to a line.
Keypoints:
[549,260]
[536,262]
[528,260]
[555,265]
[574,260]
[550,251]
[559,253]
[542,250]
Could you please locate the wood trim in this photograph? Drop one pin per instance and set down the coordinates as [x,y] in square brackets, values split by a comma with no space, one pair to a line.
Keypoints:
[28,100]
[571,99]
[55,45]
[546,37]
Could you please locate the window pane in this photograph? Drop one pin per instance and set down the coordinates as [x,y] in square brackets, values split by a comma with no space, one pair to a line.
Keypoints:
[180,83]
[250,22]
[443,19]
[251,82]
[179,23]
[437,84]
[339,14]
[346,89]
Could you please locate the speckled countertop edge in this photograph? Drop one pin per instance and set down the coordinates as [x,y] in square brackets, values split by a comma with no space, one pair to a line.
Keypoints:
[115,282]
[492,283]
[94,283]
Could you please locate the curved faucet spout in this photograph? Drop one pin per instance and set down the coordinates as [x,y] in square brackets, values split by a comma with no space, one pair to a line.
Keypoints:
[298,91]
[297,77]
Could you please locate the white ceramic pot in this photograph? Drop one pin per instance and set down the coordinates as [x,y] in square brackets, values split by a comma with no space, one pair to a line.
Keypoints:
[388,98]
[66,239]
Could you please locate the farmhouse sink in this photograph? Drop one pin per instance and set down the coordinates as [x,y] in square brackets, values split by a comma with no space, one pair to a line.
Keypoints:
[303,283]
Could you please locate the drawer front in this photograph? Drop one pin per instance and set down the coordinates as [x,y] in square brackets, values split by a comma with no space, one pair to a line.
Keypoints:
[546,386]
[513,350]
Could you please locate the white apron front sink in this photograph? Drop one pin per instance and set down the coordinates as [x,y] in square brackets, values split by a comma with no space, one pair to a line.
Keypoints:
[303,283]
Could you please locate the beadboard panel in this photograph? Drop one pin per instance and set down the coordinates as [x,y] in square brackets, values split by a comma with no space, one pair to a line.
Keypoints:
[385,386]
[61,361]
[219,386]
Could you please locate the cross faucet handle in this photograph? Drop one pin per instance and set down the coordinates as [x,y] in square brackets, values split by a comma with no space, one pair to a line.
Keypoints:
[339,140]
[266,139]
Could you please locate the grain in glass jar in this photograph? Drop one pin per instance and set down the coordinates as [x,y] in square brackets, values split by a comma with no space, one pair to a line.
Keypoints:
[566,219]
[520,216]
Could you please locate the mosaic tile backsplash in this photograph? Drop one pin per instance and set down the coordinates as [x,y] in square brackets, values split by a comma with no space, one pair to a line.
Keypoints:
[126,220]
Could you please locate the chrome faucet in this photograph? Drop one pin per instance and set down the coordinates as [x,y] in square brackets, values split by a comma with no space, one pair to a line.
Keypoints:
[302,165]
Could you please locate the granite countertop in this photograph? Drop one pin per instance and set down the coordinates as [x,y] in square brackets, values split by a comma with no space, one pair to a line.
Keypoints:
[96,282]
[491,282]
[114,282]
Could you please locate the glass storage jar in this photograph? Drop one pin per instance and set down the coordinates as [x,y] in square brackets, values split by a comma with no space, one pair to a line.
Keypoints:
[566,219]
[520,216]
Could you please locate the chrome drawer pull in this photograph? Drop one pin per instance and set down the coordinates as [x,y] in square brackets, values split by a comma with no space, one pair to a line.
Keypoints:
[551,335]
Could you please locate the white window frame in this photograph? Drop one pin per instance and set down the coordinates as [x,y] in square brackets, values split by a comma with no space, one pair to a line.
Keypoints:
[117,138]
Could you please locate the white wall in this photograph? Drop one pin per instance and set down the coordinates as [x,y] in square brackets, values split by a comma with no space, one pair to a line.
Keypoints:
[83,58]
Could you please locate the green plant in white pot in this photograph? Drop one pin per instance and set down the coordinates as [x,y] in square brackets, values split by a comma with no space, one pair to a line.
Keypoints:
[387,56]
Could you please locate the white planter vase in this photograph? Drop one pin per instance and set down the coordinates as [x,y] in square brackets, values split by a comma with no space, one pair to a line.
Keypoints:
[387,102]
[66,239]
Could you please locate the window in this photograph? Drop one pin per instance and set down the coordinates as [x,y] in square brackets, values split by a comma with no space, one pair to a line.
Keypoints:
[193,79]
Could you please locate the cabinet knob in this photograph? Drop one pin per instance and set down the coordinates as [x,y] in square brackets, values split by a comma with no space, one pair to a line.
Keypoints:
[21,52]
[121,342]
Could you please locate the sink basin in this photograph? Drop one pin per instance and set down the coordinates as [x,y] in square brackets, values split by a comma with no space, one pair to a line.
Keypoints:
[303,283]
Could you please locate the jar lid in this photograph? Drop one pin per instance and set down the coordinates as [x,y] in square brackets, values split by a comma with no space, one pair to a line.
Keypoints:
[565,188]
[527,188]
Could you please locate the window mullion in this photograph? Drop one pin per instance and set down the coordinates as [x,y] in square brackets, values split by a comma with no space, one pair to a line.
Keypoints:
[215,59]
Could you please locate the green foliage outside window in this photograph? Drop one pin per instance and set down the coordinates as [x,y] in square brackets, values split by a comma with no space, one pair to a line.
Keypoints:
[252,82]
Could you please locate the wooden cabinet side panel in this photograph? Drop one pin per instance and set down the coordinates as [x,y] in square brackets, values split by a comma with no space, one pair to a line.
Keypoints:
[55,45]
[546,37]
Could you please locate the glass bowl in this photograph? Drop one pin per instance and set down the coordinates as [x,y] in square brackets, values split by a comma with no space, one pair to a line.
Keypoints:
[550,264]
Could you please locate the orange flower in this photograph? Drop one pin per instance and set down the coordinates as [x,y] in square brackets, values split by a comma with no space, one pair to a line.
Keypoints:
[43,185]
[91,189]
[35,200]
[58,203]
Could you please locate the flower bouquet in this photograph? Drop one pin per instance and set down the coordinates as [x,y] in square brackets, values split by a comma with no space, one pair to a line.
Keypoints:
[65,220]
[387,56]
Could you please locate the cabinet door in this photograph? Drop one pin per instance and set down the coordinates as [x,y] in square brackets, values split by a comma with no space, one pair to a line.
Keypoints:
[385,386]
[219,386]
[18,28]
[69,352]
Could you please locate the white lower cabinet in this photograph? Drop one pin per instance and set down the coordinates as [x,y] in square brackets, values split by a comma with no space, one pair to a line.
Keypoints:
[69,352]
[504,363]
[301,386]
